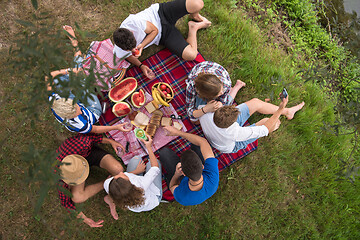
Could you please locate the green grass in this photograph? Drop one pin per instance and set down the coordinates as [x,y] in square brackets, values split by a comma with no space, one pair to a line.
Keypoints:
[287,189]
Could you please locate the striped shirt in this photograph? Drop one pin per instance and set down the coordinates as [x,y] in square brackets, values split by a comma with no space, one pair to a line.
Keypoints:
[210,68]
[82,123]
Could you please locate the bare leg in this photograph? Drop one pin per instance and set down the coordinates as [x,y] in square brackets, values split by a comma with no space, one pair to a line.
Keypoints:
[193,7]
[256,105]
[81,193]
[234,90]
[112,207]
[72,38]
[190,52]
[112,165]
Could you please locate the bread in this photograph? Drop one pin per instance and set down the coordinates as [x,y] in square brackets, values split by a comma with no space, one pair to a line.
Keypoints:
[165,121]
[177,125]
[141,119]
[150,107]
[154,123]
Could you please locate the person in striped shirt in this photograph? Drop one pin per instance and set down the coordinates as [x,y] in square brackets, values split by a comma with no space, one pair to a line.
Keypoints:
[77,117]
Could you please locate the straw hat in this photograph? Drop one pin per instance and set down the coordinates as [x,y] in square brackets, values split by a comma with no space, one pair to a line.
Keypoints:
[74,169]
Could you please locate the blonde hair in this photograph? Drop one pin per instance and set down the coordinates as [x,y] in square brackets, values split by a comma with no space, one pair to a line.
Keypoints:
[208,86]
[64,108]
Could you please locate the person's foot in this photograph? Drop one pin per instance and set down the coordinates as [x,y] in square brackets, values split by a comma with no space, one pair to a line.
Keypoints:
[291,111]
[71,32]
[239,84]
[199,18]
[199,25]
[112,207]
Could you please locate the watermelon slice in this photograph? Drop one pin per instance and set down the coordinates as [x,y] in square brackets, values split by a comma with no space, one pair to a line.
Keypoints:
[121,109]
[123,89]
[138,99]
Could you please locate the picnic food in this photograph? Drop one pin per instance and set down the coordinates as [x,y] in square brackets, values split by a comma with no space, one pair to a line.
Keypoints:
[162,93]
[139,133]
[150,107]
[154,123]
[136,52]
[141,119]
[177,125]
[165,121]
[123,89]
[121,109]
[138,99]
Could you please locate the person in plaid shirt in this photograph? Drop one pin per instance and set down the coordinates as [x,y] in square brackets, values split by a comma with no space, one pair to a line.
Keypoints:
[85,145]
[209,84]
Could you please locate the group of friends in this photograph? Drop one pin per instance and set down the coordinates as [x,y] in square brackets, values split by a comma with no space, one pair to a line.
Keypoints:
[194,176]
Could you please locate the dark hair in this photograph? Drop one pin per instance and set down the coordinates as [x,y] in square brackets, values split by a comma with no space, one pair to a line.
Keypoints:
[125,194]
[208,86]
[225,116]
[191,165]
[124,39]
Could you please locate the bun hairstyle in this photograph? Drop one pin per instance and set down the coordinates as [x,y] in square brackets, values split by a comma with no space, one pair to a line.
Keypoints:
[208,86]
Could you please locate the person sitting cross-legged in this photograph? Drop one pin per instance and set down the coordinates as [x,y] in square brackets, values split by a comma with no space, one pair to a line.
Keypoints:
[194,177]
[156,25]
[209,84]
[133,189]
[76,155]
[224,128]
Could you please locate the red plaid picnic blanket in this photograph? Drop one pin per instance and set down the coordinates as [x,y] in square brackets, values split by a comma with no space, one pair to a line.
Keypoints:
[173,70]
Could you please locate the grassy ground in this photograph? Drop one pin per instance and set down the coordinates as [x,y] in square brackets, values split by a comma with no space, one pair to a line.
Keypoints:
[287,189]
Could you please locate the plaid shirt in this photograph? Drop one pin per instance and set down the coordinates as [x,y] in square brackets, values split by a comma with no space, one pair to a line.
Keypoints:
[80,144]
[211,68]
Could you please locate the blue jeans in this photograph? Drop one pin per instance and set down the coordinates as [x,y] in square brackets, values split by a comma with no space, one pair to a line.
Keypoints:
[242,118]
[93,103]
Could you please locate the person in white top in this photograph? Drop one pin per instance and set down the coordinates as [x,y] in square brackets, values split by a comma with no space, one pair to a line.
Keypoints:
[224,127]
[132,189]
[156,25]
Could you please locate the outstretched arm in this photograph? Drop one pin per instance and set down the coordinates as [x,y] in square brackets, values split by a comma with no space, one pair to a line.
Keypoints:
[103,129]
[113,143]
[271,123]
[89,221]
[205,147]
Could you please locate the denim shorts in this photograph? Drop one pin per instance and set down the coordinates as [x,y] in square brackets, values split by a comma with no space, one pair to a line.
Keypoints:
[242,118]
[93,103]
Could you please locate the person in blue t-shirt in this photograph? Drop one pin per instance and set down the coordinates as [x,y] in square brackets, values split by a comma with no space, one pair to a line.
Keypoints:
[194,177]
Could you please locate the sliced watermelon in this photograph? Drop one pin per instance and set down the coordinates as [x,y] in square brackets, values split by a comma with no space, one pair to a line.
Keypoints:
[123,89]
[121,109]
[138,99]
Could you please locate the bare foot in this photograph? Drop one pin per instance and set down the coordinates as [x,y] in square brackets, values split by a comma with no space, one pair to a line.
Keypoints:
[199,18]
[199,25]
[71,32]
[112,207]
[239,84]
[291,111]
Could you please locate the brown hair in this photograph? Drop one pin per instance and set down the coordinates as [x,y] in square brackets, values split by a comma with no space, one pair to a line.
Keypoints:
[125,194]
[225,116]
[191,165]
[208,86]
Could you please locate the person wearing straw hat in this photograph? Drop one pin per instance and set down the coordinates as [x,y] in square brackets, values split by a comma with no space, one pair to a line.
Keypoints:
[76,155]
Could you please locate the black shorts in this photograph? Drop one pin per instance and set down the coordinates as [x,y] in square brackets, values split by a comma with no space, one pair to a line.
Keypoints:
[96,155]
[171,37]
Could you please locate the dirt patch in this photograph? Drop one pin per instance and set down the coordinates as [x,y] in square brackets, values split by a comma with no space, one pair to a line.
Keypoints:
[277,32]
